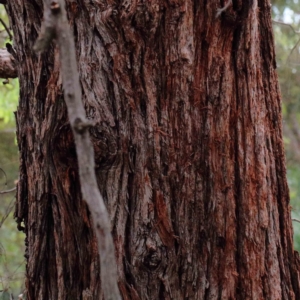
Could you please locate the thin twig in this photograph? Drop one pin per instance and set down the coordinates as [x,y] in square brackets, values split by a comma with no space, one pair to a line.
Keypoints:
[221,10]
[6,28]
[1,168]
[8,191]
[8,211]
[291,52]
[56,24]
[293,29]
[296,220]
[285,24]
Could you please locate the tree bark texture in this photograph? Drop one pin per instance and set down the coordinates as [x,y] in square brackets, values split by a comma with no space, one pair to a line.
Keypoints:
[188,146]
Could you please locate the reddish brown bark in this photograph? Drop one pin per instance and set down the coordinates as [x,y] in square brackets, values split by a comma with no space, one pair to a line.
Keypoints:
[188,148]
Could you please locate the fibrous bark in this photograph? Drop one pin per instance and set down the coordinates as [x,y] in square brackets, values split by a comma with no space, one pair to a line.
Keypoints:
[56,24]
[188,147]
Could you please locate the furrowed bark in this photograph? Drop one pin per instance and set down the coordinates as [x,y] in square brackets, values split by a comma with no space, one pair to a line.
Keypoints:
[56,25]
[188,151]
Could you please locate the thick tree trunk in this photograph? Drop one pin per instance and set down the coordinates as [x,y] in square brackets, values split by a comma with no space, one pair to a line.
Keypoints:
[188,148]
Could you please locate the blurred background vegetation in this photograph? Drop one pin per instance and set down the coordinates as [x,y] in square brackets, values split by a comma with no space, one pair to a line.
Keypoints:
[12,248]
[286,24]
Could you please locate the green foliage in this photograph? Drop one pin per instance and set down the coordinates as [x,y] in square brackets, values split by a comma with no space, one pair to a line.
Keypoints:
[9,94]
[4,35]
[11,240]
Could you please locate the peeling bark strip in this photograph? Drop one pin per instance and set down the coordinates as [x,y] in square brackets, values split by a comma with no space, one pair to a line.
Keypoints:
[56,24]
[7,67]
[188,151]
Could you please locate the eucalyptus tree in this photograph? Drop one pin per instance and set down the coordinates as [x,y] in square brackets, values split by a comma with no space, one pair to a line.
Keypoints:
[187,135]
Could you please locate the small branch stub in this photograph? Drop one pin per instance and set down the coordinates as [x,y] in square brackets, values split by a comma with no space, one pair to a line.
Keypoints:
[55,8]
[80,126]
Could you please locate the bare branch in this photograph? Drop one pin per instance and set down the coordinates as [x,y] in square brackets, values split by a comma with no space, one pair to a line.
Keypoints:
[221,10]
[296,32]
[8,191]
[56,24]
[296,220]
[6,29]
[7,67]
[291,53]
[7,212]
[285,24]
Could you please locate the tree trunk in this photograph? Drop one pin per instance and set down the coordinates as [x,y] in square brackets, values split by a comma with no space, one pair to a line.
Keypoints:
[188,145]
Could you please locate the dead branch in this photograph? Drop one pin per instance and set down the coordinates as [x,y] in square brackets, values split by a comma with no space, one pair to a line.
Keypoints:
[285,24]
[56,24]
[7,67]
[6,29]
[7,212]
[7,191]
[223,9]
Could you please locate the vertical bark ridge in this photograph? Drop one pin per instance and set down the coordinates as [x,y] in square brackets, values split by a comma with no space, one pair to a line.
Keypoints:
[188,148]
